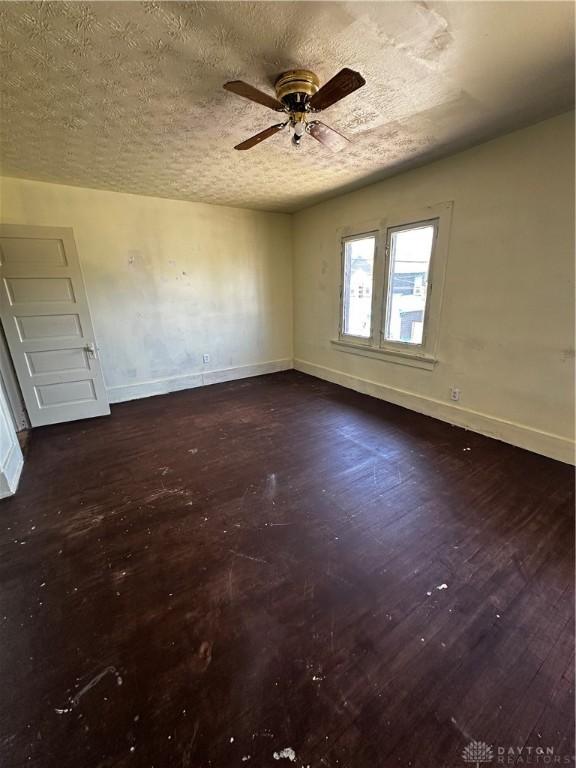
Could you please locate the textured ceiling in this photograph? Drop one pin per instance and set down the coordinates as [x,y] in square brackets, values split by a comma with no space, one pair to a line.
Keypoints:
[128,96]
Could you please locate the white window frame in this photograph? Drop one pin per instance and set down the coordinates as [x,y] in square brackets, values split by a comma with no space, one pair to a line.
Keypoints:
[363,340]
[422,355]
[393,344]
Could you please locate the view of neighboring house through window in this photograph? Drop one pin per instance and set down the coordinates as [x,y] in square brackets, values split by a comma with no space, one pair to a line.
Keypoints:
[357,288]
[409,252]
[385,303]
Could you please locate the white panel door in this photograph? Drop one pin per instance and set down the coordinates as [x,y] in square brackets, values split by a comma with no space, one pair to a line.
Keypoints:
[46,320]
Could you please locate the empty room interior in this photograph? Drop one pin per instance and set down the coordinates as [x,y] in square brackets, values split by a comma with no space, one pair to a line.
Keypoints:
[286,384]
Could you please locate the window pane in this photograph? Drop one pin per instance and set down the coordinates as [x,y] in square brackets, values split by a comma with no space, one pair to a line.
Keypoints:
[358,280]
[410,251]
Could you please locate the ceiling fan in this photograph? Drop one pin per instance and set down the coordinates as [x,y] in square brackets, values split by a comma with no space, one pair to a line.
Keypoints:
[298,96]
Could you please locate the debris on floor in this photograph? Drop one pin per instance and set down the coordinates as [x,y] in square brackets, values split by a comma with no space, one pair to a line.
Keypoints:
[287,753]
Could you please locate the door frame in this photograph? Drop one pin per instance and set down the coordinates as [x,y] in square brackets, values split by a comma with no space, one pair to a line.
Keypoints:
[9,383]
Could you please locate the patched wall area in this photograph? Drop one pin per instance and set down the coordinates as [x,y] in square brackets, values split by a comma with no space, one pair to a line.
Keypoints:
[169,281]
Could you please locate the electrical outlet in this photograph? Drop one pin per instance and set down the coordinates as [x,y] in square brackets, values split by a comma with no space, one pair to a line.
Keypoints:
[205,358]
[454,394]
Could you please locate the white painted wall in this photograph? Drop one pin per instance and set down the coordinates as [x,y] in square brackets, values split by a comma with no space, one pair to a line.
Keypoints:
[10,453]
[168,281]
[507,324]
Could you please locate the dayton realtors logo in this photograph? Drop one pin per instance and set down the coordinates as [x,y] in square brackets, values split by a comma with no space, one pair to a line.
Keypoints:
[478,753]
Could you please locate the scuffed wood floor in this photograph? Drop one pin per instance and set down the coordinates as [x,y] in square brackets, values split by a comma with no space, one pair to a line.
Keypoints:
[214,576]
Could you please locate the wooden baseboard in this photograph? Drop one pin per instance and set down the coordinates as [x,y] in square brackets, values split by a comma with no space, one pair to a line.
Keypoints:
[544,443]
[124,392]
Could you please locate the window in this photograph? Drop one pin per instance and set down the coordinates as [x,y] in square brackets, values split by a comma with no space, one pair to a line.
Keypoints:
[389,310]
[358,285]
[409,251]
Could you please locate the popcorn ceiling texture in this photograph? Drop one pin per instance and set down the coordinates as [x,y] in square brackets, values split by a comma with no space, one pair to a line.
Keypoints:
[127,96]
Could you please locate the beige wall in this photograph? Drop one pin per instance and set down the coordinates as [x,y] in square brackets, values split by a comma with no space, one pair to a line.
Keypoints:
[507,332]
[168,281]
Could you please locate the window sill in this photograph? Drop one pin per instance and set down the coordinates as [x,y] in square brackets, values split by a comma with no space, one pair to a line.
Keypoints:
[399,357]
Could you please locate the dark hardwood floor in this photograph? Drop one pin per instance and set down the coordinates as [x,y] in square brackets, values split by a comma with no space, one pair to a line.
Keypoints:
[213,576]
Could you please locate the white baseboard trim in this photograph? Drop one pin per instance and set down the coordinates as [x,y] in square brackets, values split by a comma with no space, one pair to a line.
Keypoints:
[124,392]
[10,473]
[545,443]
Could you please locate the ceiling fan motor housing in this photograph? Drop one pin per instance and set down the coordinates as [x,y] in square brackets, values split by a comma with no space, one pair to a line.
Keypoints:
[295,88]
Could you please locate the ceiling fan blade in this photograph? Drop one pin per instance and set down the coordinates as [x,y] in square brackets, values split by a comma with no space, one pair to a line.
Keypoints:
[327,136]
[343,84]
[241,88]
[253,140]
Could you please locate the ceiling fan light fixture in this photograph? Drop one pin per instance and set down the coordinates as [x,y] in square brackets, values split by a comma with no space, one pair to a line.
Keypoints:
[299,128]
[298,93]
